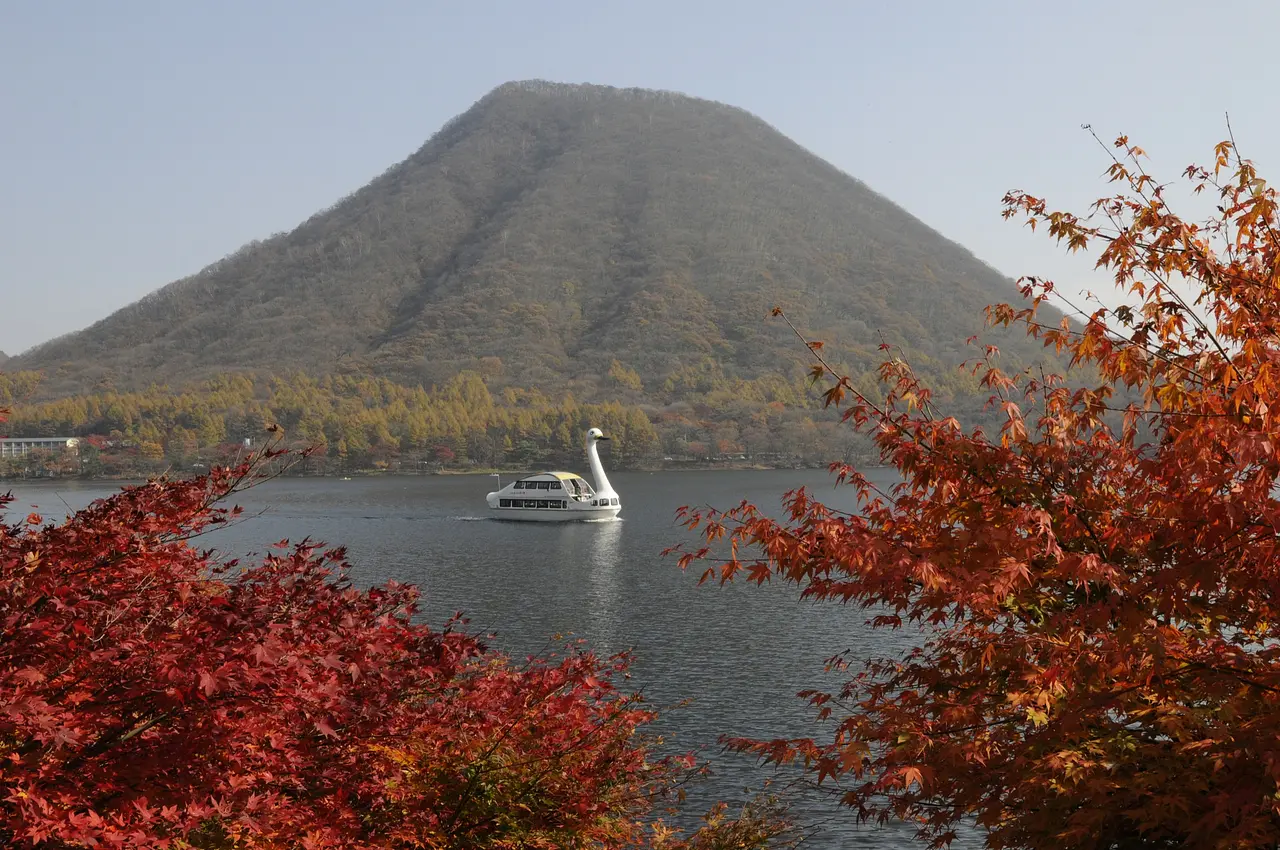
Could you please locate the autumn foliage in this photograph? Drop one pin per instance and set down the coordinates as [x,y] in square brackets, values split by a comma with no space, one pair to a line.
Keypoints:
[151,696]
[1093,593]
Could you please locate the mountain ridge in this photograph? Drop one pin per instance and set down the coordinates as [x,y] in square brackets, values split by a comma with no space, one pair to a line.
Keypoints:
[555,228]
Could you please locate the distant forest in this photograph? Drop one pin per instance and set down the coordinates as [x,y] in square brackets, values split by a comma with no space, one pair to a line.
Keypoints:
[365,423]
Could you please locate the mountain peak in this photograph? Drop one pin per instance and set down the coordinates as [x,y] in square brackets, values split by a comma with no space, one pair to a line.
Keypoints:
[552,88]
[548,231]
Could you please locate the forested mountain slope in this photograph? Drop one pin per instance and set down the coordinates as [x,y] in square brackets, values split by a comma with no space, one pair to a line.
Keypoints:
[549,231]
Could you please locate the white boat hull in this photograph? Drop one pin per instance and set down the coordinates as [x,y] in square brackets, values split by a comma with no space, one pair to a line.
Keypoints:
[583,514]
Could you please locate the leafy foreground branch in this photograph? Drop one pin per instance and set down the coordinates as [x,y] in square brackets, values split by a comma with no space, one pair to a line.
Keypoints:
[1096,587]
[152,697]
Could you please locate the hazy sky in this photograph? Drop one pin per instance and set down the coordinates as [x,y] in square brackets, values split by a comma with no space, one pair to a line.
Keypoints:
[140,141]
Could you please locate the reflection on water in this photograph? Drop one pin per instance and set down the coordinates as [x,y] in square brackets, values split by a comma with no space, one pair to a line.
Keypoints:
[739,653]
[605,592]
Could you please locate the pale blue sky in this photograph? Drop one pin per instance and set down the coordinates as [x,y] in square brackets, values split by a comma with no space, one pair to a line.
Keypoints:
[140,141]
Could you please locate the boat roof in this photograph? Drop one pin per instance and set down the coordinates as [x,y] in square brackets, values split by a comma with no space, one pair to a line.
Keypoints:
[562,476]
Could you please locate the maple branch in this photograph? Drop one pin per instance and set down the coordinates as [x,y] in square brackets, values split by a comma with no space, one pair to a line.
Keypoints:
[108,741]
[884,417]
[555,761]
[1240,161]
[843,381]
[1115,337]
[1138,187]
[1242,676]
[470,788]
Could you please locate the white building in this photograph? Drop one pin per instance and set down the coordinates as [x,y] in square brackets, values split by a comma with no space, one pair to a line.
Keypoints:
[23,446]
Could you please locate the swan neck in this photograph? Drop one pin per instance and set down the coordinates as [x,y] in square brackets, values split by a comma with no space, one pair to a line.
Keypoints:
[597,470]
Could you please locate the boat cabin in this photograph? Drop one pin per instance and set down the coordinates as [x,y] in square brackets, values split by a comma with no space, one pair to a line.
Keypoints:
[550,491]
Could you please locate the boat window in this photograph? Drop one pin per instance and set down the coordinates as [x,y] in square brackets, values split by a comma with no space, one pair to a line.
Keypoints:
[519,485]
[614,500]
[505,503]
[530,503]
[555,485]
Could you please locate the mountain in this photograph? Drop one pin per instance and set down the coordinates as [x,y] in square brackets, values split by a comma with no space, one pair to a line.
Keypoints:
[548,231]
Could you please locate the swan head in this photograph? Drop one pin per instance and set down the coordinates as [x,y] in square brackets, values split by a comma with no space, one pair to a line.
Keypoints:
[595,434]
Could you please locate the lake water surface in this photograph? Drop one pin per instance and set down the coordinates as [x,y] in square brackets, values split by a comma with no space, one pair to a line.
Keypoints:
[739,652]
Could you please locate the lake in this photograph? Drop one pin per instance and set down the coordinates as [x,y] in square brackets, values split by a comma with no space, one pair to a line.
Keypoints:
[739,652]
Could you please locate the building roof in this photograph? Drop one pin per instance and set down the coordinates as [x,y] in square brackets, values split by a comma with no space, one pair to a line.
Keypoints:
[38,439]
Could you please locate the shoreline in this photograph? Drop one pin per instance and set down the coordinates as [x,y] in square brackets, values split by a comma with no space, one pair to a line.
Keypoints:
[385,473]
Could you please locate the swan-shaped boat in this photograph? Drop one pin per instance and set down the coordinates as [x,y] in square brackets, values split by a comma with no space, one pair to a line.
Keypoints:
[559,496]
